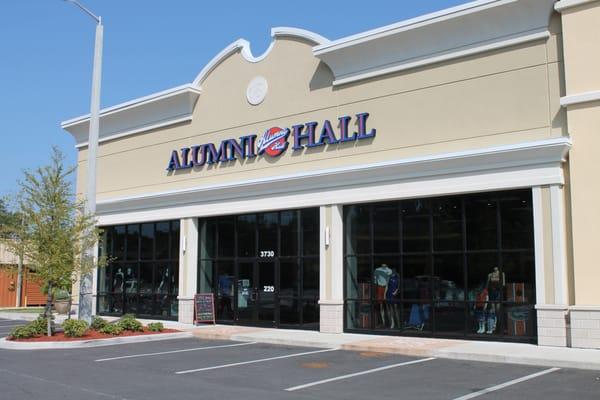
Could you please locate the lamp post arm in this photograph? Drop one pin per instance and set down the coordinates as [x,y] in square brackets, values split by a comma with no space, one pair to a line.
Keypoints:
[87,11]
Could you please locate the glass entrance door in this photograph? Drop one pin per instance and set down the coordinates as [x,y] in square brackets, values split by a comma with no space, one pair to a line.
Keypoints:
[257,293]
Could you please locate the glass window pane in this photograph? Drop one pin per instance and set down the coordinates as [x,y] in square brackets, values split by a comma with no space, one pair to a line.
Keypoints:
[358,277]
[416,278]
[104,281]
[386,228]
[289,310]
[131,278]
[450,317]
[267,233]
[118,278]
[447,224]
[133,237]
[146,279]
[415,207]
[205,276]
[147,242]
[416,234]
[449,277]
[174,279]
[519,274]
[174,240]
[310,231]
[161,277]
[479,266]
[226,236]
[310,278]
[482,222]
[288,278]
[517,220]
[246,235]
[358,232]
[225,290]
[162,240]
[289,222]
[310,314]
[207,247]
[358,314]
[119,242]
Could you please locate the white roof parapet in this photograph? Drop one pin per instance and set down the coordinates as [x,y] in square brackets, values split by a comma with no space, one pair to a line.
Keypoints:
[244,46]
[157,110]
[448,34]
[174,105]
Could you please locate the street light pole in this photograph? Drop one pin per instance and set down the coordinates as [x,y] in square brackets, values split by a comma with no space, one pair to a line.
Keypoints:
[86,281]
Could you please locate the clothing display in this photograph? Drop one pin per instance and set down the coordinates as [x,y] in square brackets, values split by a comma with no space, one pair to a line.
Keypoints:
[392,287]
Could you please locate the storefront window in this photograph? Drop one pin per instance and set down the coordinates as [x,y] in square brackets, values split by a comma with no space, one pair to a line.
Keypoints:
[459,266]
[142,274]
[266,269]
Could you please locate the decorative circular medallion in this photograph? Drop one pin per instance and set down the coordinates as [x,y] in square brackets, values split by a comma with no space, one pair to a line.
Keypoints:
[257,90]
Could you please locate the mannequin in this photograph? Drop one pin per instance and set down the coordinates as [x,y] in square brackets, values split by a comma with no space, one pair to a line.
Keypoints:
[381,278]
[118,281]
[391,295]
[481,304]
[496,282]
[130,281]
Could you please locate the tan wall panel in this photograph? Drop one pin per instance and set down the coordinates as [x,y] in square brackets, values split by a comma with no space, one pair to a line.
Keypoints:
[584,123]
[482,108]
[581,37]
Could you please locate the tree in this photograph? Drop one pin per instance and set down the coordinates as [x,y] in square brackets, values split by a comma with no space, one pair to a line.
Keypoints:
[55,231]
[7,218]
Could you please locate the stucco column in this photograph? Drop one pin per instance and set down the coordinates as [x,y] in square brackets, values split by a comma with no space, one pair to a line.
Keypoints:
[580,32]
[332,269]
[188,268]
[551,266]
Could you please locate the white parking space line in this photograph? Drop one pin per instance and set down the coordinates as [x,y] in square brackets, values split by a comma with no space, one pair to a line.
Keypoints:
[506,384]
[189,371]
[175,351]
[10,326]
[369,371]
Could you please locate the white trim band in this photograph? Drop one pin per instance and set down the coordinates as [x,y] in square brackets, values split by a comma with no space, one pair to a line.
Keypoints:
[580,98]
[563,5]
[448,56]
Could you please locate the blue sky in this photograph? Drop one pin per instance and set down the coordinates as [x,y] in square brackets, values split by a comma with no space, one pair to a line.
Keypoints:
[46,49]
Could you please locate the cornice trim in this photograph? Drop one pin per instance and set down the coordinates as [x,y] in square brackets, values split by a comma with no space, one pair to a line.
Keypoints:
[580,98]
[530,155]
[563,5]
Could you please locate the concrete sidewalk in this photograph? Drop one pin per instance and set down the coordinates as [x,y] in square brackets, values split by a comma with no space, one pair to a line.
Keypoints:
[500,352]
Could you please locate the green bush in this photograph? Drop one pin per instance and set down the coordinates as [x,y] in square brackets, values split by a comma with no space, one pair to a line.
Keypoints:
[111,329]
[98,323]
[155,327]
[22,332]
[39,326]
[75,327]
[129,323]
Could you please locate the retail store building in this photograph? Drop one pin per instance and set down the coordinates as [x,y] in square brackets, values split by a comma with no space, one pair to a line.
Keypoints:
[435,177]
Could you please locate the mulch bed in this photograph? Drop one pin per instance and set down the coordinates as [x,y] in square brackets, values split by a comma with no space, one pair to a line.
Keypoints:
[90,335]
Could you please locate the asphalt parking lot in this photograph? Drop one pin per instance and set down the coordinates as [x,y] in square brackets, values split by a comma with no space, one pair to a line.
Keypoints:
[206,369]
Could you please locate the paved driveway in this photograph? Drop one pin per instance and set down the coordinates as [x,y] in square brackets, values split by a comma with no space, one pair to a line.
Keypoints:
[206,369]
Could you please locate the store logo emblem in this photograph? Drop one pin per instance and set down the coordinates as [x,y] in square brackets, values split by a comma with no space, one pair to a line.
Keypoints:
[273,142]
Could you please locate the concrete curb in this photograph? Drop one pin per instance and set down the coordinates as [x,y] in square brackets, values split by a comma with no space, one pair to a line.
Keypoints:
[10,345]
[507,353]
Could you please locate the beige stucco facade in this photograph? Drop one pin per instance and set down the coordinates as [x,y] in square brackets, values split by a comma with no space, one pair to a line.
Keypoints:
[487,115]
